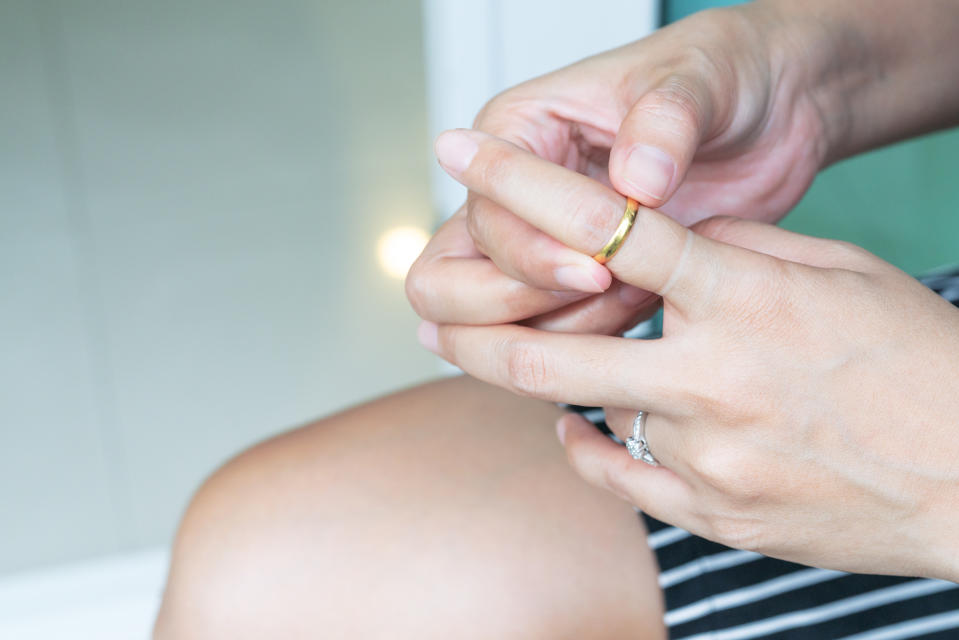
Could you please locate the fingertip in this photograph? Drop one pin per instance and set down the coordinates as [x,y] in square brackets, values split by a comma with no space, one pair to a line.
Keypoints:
[601,275]
[580,436]
[648,173]
[593,278]
[455,150]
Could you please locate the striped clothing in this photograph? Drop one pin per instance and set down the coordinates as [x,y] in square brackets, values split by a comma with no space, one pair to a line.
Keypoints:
[713,592]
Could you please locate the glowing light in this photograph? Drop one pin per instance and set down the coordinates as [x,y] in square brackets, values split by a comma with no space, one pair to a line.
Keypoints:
[398,248]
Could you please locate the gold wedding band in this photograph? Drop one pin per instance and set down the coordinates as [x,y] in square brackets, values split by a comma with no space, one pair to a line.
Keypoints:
[629,217]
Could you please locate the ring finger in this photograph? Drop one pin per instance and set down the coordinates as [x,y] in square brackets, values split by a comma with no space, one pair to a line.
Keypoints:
[525,253]
[660,255]
[434,288]
[661,434]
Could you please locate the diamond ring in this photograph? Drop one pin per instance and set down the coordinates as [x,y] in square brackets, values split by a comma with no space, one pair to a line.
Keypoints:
[636,444]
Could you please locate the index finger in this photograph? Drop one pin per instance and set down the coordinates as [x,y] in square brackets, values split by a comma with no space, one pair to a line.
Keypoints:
[659,255]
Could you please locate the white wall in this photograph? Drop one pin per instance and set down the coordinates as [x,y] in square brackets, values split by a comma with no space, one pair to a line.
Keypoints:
[190,193]
[477,48]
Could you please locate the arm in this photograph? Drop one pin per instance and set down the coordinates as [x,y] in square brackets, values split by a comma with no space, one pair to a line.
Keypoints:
[728,112]
[802,400]
[878,70]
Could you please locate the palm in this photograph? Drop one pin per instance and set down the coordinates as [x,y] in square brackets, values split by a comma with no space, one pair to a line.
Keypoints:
[758,169]
[740,174]
[761,180]
[741,135]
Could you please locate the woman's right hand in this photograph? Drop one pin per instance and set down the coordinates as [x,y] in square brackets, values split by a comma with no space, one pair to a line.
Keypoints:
[713,115]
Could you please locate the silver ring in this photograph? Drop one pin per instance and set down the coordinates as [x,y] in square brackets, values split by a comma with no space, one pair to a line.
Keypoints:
[636,444]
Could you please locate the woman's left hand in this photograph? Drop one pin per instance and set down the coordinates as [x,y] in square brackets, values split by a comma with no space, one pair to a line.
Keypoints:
[804,398]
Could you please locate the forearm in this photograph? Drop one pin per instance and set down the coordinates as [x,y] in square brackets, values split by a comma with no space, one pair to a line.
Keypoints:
[878,70]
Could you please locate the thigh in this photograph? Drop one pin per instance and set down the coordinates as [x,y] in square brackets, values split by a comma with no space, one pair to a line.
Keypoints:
[447,510]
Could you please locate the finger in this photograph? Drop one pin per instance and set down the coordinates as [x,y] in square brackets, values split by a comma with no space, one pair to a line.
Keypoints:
[662,436]
[618,310]
[657,491]
[434,284]
[787,245]
[437,294]
[561,367]
[659,255]
[519,250]
[658,139]
[451,239]
[527,254]
[620,421]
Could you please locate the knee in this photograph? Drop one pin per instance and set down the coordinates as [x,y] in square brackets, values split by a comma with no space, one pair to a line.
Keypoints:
[271,544]
[223,556]
[406,518]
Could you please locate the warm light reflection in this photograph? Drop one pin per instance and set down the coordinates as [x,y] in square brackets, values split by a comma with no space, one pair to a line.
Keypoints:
[399,247]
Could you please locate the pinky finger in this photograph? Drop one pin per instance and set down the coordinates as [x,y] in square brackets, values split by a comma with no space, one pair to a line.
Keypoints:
[618,309]
[656,491]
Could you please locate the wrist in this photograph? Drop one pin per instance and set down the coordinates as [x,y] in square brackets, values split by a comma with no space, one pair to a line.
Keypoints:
[820,63]
[874,69]
[800,68]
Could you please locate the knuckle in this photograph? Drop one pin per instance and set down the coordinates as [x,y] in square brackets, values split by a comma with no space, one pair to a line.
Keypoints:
[475,224]
[516,297]
[722,228]
[704,401]
[590,218]
[493,163]
[528,372]
[738,531]
[675,102]
[417,288]
[850,254]
[491,112]
[762,298]
[730,471]
[523,262]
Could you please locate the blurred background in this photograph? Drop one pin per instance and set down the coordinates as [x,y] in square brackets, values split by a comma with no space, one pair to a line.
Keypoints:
[206,210]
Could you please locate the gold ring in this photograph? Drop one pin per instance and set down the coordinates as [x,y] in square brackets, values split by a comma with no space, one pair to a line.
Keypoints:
[629,217]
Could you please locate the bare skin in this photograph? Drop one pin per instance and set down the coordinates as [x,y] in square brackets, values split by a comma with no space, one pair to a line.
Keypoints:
[447,510]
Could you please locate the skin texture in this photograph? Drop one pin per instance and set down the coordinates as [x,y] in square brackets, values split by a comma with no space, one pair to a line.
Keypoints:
[740,136]
[444,511]
[798,350]
[782,370]
[742,106]
[802,398]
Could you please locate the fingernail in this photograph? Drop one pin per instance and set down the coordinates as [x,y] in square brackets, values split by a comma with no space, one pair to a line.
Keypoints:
[580,278]
[561,430]
[649,170]
[455,150]
[427,335]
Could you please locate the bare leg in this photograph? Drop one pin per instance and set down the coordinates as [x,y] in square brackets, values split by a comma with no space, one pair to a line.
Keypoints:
[445,511]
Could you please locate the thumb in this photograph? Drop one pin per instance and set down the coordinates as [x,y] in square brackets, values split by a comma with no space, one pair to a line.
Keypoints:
[658,139]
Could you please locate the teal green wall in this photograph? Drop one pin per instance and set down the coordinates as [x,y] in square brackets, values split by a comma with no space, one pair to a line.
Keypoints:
[900,202]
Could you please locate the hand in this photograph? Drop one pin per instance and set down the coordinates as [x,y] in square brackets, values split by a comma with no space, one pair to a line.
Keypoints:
[708,116]
[803,399]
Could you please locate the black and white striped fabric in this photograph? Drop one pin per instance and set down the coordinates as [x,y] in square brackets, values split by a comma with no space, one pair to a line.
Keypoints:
[713,592]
